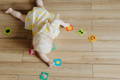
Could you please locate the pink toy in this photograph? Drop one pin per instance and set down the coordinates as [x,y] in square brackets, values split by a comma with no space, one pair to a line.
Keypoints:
[31,52]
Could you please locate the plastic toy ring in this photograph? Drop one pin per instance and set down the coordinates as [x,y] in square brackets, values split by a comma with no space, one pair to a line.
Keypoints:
[44,76]
[7,31]
[57,62]
[92,38]
[69,28]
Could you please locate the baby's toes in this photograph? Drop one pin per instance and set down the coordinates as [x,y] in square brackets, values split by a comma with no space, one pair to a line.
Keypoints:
[9,10]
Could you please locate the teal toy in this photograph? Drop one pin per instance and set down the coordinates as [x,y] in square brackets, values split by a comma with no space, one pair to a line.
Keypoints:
[57,62]
[44,76]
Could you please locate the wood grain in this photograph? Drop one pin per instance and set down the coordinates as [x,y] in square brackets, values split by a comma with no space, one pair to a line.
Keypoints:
[11,55]
[106,45]
[22,4]
[106,14]
[106,71]
[14,44]
[8,77]
[66,4]
[105,79]
[105,4]
[106,29]
[51,78]
[77,45]
[73,70]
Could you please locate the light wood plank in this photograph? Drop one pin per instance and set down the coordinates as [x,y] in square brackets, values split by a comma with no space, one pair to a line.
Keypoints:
[14,44]
[8,77]
[106,45]
[106,29]
[68,70]
[106,24]
[105,4]
[66,4]
[104,57]
[10,55]
[106,71]
[107,34]
[73,45]
[51,78]
[78,14]
[21,4]
[105,79]
[106,14]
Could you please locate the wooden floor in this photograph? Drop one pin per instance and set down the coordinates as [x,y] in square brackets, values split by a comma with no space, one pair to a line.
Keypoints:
[82,60]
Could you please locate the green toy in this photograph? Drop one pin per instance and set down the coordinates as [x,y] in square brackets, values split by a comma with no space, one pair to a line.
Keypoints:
[44,76]
[81,32]
[7,31]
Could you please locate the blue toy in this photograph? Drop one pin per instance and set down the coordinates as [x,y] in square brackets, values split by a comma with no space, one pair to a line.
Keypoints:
[57,62]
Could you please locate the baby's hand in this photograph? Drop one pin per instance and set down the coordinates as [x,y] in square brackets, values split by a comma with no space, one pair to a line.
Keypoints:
[50,64]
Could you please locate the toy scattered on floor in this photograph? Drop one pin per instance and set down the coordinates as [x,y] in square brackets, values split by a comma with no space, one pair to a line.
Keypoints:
[92,38]
[81,32]
[44,76]
[69,28]
[7,31]
[31,52]
[57,62]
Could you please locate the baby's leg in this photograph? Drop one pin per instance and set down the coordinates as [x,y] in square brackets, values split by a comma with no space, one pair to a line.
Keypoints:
[40,3]
[45,59]
[16,14]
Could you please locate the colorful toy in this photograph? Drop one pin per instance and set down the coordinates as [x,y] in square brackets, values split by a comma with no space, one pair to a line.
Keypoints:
[69,28]
[7,31]
[92,38]
[81,32]
[57,62]
[31,52]
[44,76]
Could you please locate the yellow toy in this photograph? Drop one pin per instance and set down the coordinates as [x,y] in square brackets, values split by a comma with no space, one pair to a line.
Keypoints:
[92,38]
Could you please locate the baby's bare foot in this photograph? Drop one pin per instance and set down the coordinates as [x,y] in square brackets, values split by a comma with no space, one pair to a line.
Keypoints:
[9,10]
[40,3]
